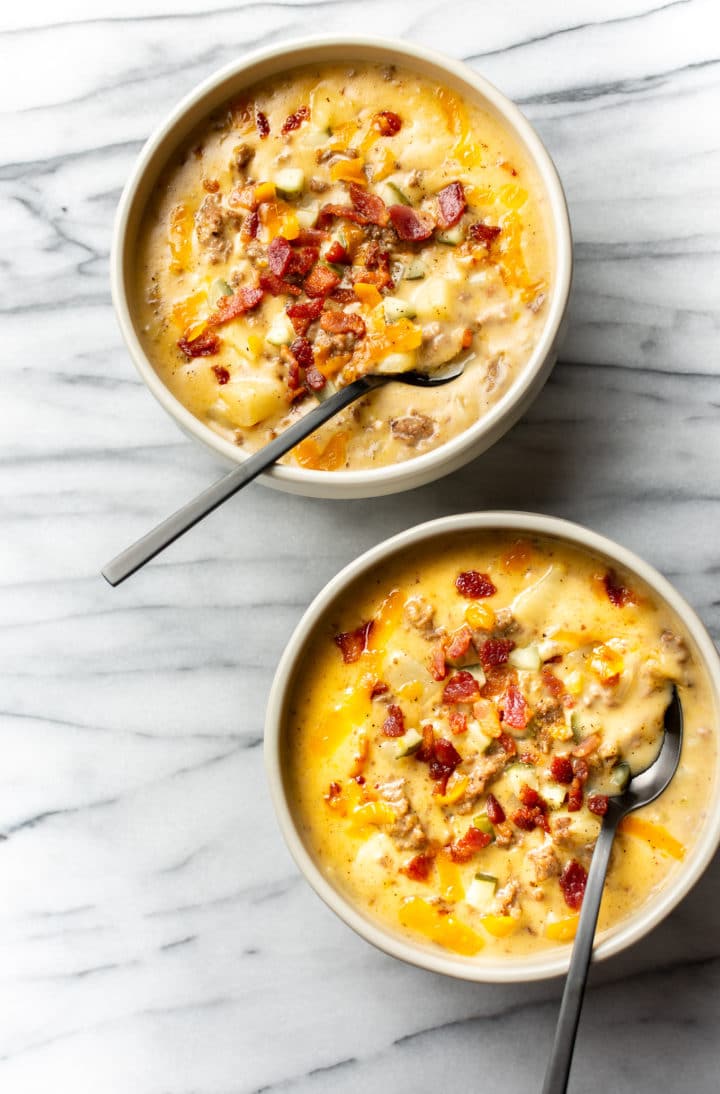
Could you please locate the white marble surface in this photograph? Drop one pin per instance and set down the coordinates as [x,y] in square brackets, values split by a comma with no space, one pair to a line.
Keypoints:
[155,937]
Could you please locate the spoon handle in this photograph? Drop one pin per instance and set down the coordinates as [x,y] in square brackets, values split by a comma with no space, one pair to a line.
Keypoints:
[150,545]
[558,1070]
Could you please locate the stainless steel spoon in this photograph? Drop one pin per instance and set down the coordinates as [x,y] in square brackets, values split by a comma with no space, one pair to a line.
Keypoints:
[641,790]
[130,560]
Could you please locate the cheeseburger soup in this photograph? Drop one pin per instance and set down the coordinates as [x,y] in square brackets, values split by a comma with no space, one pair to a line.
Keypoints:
[335,221]
[458,723]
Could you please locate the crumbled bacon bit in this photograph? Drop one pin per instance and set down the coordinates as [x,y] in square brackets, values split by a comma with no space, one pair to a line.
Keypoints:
[446,753]
[618,594]
[279,254]
[332,209]
[251,225]
[221,374]
[533,811]
[293,375]
[314,378]
[379,688]
[352,644]
[418,868]
[438,668]
[507,744]
[230,307]
[302,260]
[551,682]
[462,687]
[484,233]
[580,768]
[575,796]
[497,679]
[262,124]
[458,722]
[459,644]
[337,253]
[309,237]
[211,185]
[370,206]
[441,756]
[598,804]
[302,315]
[321,281]
[467,338]
[387,123]
[529,796]
[411,224]
[204,346]
[474,586]
[334,791]
[426,750]
[277,286]
[561,770]
[394,724]
[451,204]
[284,261]
[573,880]
[340,322]
[463,849]
[515,709]
[294,121]
[365,209]
[495,651]
[495,812]
[587,746]
[343,296]
[302,351]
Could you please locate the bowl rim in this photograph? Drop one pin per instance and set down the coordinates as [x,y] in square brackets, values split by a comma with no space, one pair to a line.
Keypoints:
[498,970]
[458,449]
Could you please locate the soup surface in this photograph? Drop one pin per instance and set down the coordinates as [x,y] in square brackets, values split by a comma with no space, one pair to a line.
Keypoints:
[336,221]
[457,724]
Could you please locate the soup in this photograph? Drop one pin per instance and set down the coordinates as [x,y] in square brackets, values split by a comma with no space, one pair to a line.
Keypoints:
[457,724]
[335,221]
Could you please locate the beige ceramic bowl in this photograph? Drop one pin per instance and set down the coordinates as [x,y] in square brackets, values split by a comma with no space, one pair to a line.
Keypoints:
[257,66]
[551,962]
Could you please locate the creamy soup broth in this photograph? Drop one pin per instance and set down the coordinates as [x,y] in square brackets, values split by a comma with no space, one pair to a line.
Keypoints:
[334,221]
[457,723]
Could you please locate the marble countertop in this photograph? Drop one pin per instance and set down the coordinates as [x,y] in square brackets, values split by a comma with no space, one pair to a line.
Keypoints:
[155,937]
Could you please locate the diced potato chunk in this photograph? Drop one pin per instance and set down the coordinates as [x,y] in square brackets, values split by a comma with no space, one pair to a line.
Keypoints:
[252,399]
[433,298]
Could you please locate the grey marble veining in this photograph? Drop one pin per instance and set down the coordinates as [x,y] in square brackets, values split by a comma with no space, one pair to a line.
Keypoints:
[155,937]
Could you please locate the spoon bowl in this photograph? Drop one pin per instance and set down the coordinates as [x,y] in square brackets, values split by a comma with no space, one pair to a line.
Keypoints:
[642,789]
